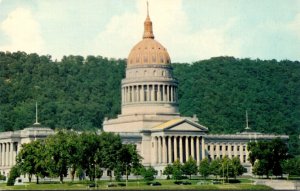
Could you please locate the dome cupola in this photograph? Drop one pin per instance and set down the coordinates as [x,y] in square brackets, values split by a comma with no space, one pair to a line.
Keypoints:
[148,50]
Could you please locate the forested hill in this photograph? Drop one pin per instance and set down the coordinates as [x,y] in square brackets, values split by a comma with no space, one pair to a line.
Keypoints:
[79,92]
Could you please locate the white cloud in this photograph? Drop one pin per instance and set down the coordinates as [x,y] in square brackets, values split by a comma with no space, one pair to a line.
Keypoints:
[23,32]
[171,28]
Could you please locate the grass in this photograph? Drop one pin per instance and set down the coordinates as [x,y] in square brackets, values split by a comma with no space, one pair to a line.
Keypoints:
[139,185]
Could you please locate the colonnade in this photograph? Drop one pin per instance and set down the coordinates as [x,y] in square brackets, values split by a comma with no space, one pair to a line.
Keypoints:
[167,149]
[8,153]
[149,93]
[231,149]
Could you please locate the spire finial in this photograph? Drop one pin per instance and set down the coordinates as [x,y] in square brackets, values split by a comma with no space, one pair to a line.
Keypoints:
[147,9]
[148,31]
[36,115]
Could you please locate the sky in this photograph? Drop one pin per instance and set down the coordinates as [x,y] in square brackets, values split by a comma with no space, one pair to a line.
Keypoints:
[191,30]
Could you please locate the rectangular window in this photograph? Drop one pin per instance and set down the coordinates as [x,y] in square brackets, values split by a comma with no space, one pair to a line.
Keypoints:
[232,148]
[244,148]
[226,148]
[214,148]
[238,148]
[244,158]
[220,147]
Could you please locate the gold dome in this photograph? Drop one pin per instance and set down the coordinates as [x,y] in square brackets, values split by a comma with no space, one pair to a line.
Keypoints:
[148,51]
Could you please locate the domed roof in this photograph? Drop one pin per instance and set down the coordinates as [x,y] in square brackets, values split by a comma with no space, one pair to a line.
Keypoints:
[148,50]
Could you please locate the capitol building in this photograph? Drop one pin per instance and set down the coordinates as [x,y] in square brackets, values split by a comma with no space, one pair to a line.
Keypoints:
[150,117]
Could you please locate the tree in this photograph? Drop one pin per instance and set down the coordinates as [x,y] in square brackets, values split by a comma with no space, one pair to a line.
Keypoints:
[204,168]
[74,151]
[168,170]
[149,173]
[128,158]
[32,160]
[190,167]
[268,155]
[57,149]
[177,170]
[215,167]
[13,174]
[292,166]
[237,167]
[91,148]
[110,146]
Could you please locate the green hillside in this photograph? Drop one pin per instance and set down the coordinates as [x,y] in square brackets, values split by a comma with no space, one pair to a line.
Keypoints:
[79,92]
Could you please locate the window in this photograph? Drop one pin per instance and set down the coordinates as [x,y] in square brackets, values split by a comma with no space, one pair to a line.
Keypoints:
[214,148]
[232,156]
[220,147]
[226,148]
[244,159]
[208,147]
[221,156]
[238,148]
[244,148]
[232,148]
[215,156]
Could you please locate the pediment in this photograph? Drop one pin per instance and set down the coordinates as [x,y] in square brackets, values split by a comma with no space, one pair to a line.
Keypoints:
[180,124]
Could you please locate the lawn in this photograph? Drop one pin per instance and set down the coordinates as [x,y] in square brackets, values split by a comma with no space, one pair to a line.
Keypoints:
[139,185]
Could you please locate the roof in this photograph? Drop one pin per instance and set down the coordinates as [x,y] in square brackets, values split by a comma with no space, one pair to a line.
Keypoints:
[175,122]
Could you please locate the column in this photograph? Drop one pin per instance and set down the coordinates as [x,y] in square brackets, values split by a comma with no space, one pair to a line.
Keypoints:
[171,93]
[12,154]
[176,94]
[186,148]
[168,93]
[235,150]
[3,154]
[169,150]
[148,96]
[241,153]
[143,94]
[203,148]
[223,149]
[229,151]
[7,154]
[134,93]
[159,149]
[217,152]
[152,93]
[158,93]
[155,153]
[192,147]
[180,149]
[175,148]
[164,150]
[127,94]
[197,150]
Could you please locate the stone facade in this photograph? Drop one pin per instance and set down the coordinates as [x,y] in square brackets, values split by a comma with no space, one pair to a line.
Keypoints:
[11,141]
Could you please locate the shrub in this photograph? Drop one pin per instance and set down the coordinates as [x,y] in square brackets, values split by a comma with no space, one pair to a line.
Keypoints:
[186,183]
[153,183]
[14,173]
[178,182]
[122,184]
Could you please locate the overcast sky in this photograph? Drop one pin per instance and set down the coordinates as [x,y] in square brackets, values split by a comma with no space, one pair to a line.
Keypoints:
[191,30]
